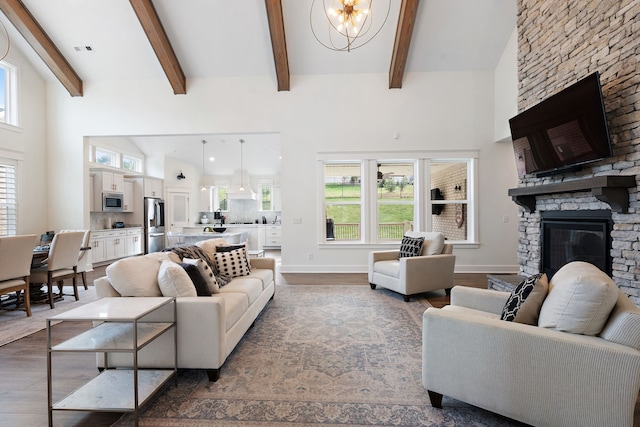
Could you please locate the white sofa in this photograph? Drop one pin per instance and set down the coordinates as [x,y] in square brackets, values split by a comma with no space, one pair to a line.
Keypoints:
[208,327]
[538,375]
[432,270]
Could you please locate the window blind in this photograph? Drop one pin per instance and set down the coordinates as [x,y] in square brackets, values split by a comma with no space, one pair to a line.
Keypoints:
[8,201]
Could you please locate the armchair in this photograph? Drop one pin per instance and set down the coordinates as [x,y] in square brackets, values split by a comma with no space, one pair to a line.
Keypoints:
[540,376]
[16,253]
[429,271]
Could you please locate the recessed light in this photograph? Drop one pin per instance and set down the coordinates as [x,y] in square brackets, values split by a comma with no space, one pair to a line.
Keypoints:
[212,159]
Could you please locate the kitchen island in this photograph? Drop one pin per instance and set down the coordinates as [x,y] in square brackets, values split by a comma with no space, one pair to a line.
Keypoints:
[174,238]
[254,232]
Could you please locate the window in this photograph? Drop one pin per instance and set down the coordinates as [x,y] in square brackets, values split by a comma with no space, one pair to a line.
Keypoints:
[8,200]
[8,94]
[106,157]
[221,197]
[131,163]
[371,200]
[343,201]
[395,199]
[265,192]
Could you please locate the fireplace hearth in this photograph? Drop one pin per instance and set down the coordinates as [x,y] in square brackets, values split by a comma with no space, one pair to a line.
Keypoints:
[575,236]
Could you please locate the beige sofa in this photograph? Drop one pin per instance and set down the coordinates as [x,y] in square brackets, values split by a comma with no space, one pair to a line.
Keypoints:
[209,327]
[431,270]
[538,375]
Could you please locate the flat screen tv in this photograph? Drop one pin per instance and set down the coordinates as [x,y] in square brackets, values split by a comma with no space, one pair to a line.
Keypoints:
[562,132]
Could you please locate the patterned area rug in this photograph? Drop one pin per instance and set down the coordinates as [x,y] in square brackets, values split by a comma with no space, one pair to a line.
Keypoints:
[319,355]
[14,324]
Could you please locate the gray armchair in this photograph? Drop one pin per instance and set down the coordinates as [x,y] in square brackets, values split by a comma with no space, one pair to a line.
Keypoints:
[430,271]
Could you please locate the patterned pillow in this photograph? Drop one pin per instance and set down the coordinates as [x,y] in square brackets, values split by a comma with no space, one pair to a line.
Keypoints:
[233,264]
[524,303]
[206,272]
[410,247]
[202,289]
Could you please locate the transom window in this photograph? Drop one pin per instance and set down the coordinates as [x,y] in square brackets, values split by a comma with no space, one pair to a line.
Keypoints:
[8,94]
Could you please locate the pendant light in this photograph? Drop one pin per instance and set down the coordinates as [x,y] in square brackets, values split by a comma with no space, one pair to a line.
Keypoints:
[241,167]
[204,188]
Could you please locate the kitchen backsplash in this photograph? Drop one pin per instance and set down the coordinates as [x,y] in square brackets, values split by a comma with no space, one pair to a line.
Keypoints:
[242,211]
[101,220]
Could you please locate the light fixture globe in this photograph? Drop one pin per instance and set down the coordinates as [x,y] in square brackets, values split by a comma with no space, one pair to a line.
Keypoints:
[350,24]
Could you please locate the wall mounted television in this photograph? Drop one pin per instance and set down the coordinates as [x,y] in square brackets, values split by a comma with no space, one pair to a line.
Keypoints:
[563,132]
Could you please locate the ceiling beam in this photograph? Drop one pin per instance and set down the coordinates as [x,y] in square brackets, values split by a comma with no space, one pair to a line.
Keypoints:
[33,33]
[406,22]
[278,43]
[160,43]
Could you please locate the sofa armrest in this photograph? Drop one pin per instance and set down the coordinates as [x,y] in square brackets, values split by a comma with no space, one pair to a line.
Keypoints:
[533,373]
[104,289]
[479,299]
[201,332]
[264,264]
[436,269]
[376,256]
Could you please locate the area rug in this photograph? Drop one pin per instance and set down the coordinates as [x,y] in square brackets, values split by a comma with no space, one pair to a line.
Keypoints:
[14,324]
[318,355]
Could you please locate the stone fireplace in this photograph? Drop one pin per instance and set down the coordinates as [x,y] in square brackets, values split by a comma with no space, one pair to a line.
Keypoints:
[558,46]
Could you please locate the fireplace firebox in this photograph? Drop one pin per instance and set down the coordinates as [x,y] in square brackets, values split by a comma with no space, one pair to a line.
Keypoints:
[576,236]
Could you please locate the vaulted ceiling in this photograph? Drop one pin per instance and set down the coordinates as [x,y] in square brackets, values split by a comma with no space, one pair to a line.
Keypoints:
[179,40]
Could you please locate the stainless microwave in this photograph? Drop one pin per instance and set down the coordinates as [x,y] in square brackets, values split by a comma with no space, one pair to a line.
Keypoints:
[112,202]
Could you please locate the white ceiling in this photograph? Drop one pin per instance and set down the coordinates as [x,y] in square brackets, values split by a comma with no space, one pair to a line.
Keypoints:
[217,38]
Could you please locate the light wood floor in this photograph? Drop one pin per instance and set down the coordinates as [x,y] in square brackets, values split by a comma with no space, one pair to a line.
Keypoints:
[23,377]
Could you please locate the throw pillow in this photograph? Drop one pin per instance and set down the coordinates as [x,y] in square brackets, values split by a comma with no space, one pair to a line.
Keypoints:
[233,264]
[580,299]
[174,281]
[410,247]
[523,305]
[202,289]
[136,276]
[206,272]
[433,241]
[191,251]
[623,326]
[229,248]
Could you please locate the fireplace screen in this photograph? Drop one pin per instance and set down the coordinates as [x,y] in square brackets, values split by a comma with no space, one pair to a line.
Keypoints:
[575,239]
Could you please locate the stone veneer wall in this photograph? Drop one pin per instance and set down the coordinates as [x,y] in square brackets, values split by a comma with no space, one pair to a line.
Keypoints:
[558,44]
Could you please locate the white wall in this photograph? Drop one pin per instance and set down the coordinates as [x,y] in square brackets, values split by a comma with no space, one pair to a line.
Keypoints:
[432,111]
[506,83]
[26,143]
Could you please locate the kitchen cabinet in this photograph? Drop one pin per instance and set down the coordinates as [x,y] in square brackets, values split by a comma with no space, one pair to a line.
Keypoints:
[128,196]
[115,242]
[108,182]
[152,187]
[272,236]
[98,252]
[133,242]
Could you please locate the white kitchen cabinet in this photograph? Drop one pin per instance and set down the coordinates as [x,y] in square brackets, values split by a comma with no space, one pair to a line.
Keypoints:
[98,252]
[272,236]
[128,196]
[107,182]
[152,187]
[206,200]
[115,242]
[133,242]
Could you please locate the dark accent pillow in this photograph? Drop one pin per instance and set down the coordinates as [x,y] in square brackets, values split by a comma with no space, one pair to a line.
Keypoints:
[524,303]
[410,247]
[229,248]
[202,289]
[192,251]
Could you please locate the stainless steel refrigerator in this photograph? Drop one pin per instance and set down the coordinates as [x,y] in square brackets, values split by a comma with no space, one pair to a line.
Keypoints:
[153,225]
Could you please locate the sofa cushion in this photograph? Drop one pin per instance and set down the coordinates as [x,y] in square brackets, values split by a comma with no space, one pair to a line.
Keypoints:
[387,268]
[174,281]
[410,247]
[233,264]
[235,306]
[202,288]
[263,274]
[137,276]
[580,299]
[524,303]
[433,241]
[251,287]
[623,326]
[206,272]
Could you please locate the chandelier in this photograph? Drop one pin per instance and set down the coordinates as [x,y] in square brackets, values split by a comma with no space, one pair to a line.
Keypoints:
[350,23]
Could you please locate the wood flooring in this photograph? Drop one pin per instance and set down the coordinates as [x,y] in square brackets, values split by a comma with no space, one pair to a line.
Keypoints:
[23,373]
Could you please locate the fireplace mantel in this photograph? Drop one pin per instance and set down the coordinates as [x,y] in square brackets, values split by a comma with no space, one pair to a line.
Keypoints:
[611,189]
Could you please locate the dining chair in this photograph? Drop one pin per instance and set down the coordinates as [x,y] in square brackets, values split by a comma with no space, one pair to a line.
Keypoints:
[83,257]
[16,253]
[61,264]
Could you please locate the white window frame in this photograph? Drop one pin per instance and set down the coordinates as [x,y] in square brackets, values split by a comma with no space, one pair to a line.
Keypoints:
[11,93]
[422,190]
[137,161]
[363,223]
[265,183]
